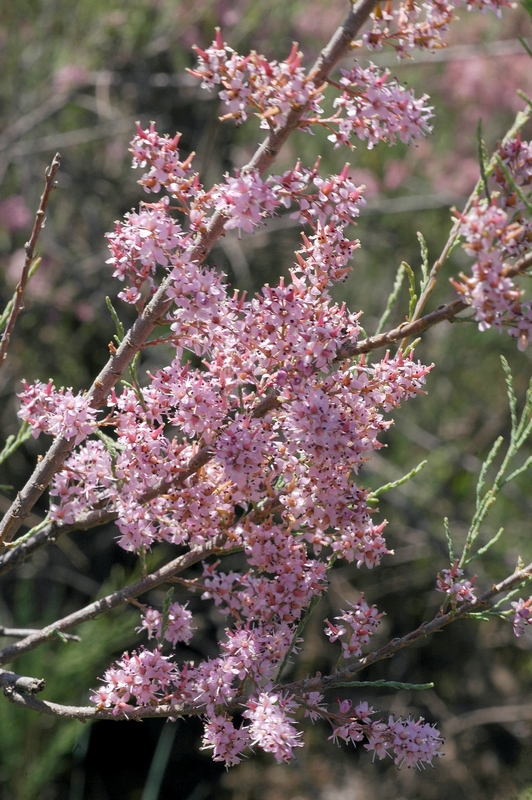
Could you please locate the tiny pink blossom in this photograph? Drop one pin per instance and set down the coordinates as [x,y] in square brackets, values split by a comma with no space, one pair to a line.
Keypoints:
[522,615]
[452,582]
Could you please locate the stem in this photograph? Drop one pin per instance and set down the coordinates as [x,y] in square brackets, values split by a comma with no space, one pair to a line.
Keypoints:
[49,185]
[426,628]
[118,598]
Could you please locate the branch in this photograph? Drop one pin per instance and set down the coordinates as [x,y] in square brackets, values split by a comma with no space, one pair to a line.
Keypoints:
[113,600]
[17,305]
[487,716]
[21,683]
[84,713]
[137,335]
[321,683]
[21,633]
[405,330]
[21,549]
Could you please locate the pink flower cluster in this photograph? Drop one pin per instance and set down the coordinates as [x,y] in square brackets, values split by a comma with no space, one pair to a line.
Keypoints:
[407,741]
[254,434]
[270,725]
[452,582]
[57,412]
[178,627]
[142,678]
[522,615]
[376,109]
[298,459]
[251,82]
[161,155]
[497,233]
[144,241]
[357,625]
[245,201]
[371,107]
[412,24]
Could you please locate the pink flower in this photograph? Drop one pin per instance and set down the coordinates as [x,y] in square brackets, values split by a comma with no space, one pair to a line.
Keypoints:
[358,625]
[252,82]
[452,582]
[225,741]
[137,680]
[376,109]
[178,628]
[271,727]
[57,412]
[522,615]
[245,200]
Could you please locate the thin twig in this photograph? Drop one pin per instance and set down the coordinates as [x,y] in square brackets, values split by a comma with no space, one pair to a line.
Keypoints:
[487,716]
[94,713]
[21,633]
[521,118]
[425,629]
[113,600]
[20,550]
[49,186]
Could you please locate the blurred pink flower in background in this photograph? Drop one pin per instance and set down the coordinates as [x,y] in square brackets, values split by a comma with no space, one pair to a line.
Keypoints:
[14,213]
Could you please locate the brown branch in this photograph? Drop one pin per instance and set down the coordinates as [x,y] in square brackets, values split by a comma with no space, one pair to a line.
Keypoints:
[134,339]
[425,629]
[405,330]
[84,713]
[21,633]
[20,550]
[487,716]
[21,683]
[113,600]
[49,186]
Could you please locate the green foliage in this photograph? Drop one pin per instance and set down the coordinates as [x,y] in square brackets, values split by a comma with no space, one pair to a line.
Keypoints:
[527,5]
[36,748]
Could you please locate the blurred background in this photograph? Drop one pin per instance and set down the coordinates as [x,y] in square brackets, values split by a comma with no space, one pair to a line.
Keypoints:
[74,78]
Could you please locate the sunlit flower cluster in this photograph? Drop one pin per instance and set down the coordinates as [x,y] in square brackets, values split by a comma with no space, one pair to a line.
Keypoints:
[376,109]
[497,233]
[354,627]
[297,462]
[251,82]
[410,25]
[57,412]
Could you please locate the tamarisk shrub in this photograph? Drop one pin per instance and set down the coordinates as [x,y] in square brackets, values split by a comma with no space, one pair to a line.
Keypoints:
[253,437]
